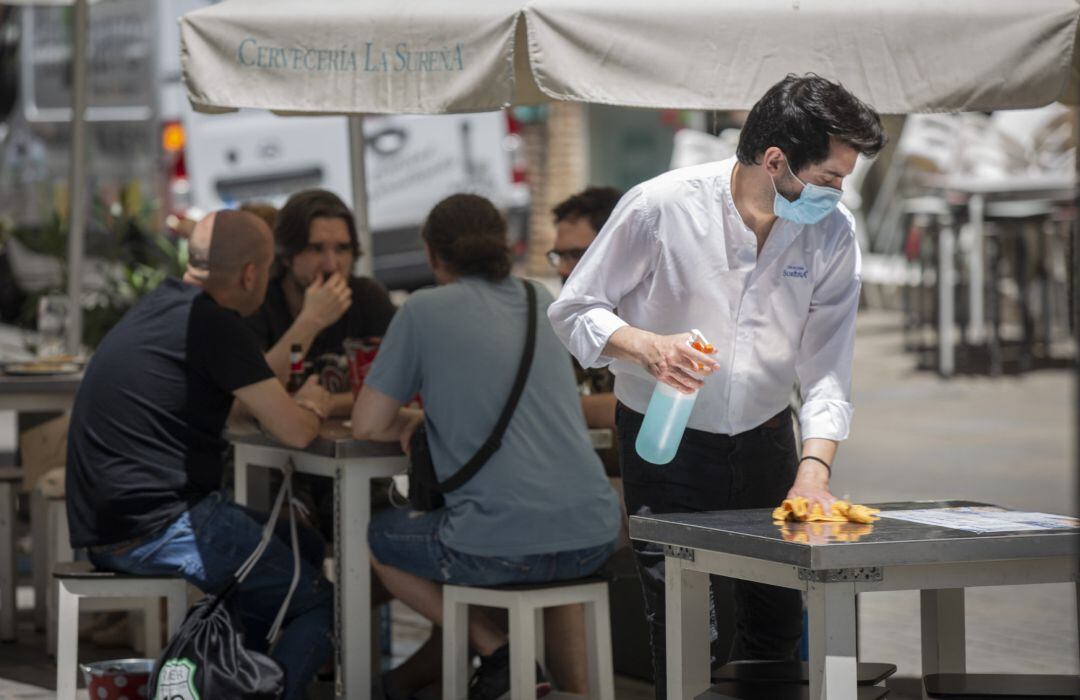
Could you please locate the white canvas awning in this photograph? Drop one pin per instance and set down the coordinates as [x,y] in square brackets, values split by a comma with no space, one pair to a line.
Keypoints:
[433,56]
[898,55]
[342,57]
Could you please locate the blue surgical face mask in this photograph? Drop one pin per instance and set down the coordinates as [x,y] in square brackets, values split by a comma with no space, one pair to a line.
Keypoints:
[814,202]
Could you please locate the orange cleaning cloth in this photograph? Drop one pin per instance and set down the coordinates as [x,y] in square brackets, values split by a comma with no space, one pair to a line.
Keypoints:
[799,509]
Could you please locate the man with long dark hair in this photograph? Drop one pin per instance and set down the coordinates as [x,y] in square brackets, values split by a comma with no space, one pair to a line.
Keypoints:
[755,253]
[314,300]
[578,219]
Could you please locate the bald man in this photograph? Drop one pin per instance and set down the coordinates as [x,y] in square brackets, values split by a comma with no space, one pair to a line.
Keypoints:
[145,447]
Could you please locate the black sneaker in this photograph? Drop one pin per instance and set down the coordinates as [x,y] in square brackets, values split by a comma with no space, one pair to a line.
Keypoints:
[492,680]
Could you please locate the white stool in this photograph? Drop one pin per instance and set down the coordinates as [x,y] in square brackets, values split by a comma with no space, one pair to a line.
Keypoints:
[525,606]
[79,580]
[10,478]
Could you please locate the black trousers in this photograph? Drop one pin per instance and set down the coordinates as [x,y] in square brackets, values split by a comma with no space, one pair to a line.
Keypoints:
[710,472]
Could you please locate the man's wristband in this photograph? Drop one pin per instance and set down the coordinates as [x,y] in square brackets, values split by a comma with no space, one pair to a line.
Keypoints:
[819,460]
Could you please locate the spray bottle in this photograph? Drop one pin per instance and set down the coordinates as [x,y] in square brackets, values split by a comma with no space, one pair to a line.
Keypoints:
[669,410]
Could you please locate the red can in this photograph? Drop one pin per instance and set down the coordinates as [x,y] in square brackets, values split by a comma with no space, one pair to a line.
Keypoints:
[122,679]
[361,354]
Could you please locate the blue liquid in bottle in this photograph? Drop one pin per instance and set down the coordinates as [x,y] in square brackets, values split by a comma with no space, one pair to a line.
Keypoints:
[664,424]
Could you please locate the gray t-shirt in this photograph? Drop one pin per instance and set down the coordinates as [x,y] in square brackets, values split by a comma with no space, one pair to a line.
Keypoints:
[544,490]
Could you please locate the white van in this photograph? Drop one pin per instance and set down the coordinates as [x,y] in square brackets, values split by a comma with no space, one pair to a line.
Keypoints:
[141,128]
[411,161]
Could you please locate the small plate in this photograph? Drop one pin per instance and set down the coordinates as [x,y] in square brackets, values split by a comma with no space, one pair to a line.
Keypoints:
[40,369]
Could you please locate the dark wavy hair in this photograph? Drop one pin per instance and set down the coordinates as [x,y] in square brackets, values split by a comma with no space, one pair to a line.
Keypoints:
[293,223]
[468,234]
[800,113]
[593,203]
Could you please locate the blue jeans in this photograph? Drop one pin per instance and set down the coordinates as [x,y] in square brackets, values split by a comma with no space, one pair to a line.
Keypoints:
[409,540]
[208,543]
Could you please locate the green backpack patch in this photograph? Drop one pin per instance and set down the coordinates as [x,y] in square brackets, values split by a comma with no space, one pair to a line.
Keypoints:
[176,681]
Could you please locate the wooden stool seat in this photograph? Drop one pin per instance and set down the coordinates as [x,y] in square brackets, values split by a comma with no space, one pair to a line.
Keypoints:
[86,570]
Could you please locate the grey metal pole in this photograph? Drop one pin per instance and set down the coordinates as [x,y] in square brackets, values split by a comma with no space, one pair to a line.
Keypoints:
[77,187]
[366,264]
[1076,309]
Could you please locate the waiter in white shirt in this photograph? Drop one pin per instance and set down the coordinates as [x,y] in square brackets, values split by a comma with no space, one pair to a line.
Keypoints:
[755,253]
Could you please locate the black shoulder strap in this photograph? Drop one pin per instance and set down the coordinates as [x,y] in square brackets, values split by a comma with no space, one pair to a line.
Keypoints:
[494,441]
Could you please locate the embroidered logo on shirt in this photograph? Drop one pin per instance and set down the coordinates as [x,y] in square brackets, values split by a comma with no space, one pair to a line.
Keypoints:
[796,271]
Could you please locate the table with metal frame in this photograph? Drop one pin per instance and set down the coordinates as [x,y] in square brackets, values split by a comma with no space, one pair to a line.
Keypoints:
[352,464]
[974,194]
[833,563]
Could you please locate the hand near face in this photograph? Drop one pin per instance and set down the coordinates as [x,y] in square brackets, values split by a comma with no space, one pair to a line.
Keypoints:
[325,301]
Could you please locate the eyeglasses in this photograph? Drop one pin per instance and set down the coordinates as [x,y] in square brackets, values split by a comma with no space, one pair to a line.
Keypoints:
[570,255]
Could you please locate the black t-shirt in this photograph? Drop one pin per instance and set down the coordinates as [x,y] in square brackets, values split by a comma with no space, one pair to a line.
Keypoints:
[145,441]
[369,315]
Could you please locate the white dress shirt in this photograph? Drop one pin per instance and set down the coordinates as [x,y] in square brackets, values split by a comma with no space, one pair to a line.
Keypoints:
[676,255]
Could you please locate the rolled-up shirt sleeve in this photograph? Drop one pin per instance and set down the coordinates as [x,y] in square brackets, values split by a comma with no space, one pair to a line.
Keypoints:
[623,254]
[823,362]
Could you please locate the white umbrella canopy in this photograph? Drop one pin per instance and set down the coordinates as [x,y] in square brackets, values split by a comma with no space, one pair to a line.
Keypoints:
[347,57]
[433,56]
[898,55]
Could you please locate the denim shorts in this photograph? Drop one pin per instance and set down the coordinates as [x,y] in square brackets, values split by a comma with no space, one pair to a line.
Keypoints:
[409,540]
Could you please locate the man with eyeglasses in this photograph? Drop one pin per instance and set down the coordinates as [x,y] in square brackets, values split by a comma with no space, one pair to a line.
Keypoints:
[577,221]
[314,300]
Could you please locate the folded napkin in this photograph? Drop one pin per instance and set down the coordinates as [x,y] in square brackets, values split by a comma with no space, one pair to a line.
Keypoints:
[798,508]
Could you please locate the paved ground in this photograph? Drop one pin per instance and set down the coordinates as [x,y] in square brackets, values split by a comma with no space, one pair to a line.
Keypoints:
[1006,441]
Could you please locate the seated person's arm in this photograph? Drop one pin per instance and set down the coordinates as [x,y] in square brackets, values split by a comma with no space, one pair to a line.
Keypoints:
[599,410]
[341,404]
[379,417]
[292,421]
[301,333]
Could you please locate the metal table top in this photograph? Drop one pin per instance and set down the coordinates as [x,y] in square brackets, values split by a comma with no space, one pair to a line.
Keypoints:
[43,384]
[752,533]
[335,441]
